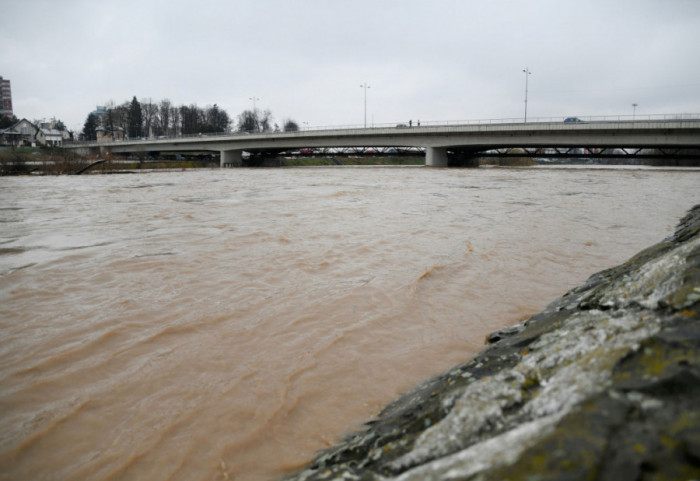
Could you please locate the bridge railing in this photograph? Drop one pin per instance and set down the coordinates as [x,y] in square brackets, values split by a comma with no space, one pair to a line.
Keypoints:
[430,123]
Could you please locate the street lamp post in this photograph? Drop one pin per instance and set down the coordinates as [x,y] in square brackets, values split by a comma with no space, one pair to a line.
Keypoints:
[253,99]
[634,111]
[527,74]
[365,86]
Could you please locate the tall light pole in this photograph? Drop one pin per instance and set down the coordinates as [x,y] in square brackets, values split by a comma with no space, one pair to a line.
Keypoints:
[365,86]
[253,99]
[527,74]
[634,111]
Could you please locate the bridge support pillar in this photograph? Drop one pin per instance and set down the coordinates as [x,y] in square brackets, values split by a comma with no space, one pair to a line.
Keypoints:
[436,157]
[231,158]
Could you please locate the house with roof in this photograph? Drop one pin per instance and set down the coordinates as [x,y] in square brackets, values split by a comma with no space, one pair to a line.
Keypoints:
[22,133]
[109,135]
[49,137]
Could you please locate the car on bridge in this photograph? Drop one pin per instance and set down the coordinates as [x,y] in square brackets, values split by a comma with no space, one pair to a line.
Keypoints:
[572,120]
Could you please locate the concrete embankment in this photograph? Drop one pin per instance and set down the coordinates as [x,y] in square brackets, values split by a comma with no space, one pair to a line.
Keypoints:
[603,384]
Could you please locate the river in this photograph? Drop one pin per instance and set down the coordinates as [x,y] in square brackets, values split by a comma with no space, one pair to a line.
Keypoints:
[227,324]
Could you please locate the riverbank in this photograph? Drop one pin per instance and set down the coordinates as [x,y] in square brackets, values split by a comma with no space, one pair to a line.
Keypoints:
[43,161]
[47,161]
[602,384]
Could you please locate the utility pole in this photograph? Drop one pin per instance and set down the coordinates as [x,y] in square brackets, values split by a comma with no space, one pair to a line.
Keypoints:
[365,86]
[527,74]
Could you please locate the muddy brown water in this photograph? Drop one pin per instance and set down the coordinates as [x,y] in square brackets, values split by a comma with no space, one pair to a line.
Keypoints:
[210,325]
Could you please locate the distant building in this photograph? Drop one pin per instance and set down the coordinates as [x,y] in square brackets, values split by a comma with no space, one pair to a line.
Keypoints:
[100,112]
[27,134]
[5,98]
[23,133]
[49,137]
[53,126]
[107,135]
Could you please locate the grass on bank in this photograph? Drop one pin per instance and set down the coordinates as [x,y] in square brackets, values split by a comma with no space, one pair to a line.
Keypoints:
[28,160]
[46,161]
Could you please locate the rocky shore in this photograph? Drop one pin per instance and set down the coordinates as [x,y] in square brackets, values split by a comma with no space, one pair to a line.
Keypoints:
[603,384]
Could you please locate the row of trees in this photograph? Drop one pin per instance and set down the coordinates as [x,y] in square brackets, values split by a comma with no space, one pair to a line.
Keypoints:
[261,121]
[147,118]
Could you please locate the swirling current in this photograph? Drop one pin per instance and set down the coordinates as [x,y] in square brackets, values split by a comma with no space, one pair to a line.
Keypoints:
[221,324]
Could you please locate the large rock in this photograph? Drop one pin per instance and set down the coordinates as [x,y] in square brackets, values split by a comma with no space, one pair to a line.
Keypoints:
[604,384]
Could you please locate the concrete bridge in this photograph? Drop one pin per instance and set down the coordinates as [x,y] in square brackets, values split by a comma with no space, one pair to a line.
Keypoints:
[445,144]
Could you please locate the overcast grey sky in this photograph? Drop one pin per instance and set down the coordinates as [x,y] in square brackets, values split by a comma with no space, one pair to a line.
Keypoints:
[306,59]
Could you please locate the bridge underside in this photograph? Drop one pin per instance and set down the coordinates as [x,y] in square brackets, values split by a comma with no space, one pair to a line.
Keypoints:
[468,156]
[471,156]
[675,153]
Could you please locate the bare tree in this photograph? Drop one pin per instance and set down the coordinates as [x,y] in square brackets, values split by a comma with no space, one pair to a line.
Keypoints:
[121,115]
[109,119]
[164,117]
[117,116]
[247,122]
[176,122]
[255,121]
[149,113]
[265,121]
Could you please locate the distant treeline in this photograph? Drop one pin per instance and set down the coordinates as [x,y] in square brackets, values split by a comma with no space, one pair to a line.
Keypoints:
[147,118]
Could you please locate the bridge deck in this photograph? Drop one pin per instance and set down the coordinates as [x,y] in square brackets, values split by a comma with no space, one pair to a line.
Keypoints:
[672,133]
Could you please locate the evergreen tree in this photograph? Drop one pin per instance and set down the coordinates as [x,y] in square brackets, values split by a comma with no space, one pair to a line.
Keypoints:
[89,129]
[7,121]
[217,119]
[164,119]
[135,119]
[190,119]
[291,126]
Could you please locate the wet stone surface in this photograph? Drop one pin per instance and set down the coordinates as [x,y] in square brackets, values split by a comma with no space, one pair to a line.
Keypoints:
[603,384]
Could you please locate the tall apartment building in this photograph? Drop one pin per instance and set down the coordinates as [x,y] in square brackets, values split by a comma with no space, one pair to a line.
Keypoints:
[5,98]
